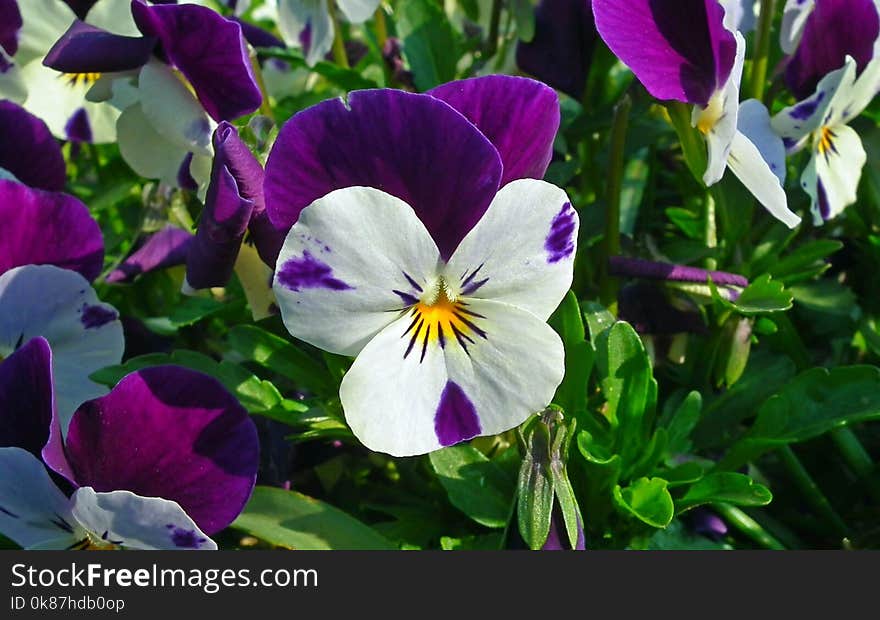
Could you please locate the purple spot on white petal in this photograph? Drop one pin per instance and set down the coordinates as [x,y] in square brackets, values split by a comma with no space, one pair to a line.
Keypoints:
[96,316]
[560,241]
[187,539]
[308,272]
[406,298]
[456,418]
[8,513]
[806,109]
[470,284]
[78,128]
[822,198]
[305,38]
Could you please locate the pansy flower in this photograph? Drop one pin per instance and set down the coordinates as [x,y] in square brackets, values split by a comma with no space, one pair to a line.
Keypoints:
[28,152]
[308,24]
[832,176]
[685,50]
[417,264]
[193,69]
[50,249]
[165,460]
[820,34]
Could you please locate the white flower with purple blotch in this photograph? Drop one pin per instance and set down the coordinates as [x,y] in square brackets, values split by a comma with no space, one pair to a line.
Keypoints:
[689,51]
[165,460]
[50,249]
[832,176]
[404,252]
[307,24]
[188,69]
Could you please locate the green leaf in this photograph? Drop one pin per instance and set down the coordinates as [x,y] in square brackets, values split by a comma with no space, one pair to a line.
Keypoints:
[483,542]
[648,500]
[524,16]
[193,309]
[681,423]
[571,394]
[734,347]
[295,521]
[762,295]
[283,357]
[806,262]
[826,296]
[481,488]
[429,42]
[347,79]
[815,402]
[727,487]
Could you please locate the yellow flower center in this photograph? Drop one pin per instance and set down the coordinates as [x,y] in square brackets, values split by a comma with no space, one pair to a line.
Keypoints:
[441,316]
[825,140]
[711,114]
[82,79]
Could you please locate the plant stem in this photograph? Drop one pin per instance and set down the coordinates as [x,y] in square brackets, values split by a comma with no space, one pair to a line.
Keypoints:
[691,143]
[339,54]
[761,59]
[811,490]
[711,229]
[381,27]
[748,526]
[857,458]
[494,24]
[609,285]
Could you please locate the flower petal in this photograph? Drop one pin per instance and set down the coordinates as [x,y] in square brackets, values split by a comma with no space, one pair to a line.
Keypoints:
[10,24]
[754,124]
[27,397]
[833,174]
[353,260]
[28,150]
[519,116]
[834,30]
[306,24]
[33,511]
[794,19]
[414,147]
[85,335]
[522,251]
[358,11]
[87,49]
[145,150]
[44,21]
[800,120]
[679,49]
[166,248]
[169,432]
[209,50]
[134,522]
[562,49]
[406,404]
[51,228]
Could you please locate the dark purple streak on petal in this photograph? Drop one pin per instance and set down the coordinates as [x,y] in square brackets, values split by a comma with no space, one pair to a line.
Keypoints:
[456,418]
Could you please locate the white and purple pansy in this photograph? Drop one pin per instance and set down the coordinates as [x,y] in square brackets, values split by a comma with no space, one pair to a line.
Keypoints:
[188,69]
[689,51]
[308,24]
[832,176]
[820,34]
[165,460]
[50,249]
[408,256]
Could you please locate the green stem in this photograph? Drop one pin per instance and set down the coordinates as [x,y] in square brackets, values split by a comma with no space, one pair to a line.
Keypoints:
[857,458]
[381,27]
[811,490]
[692,145]
[761,60]
[711,228]
[609,285]
[339,54]
[748,526]
[494,24]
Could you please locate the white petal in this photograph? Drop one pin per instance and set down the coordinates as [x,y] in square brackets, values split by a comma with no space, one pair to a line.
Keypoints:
[522,250]
[33,511]
[55,98]
[718,120]
[795,122]
[174,111]
[306,20]
[740,14]
[750,168]
[794,19]
[59,305]
[113,16]
[854,102]
[410,391]
[357,11]
[754,124]
[148,153]
[343,261]
[832,177]
[43,23]
[12,86]
[134,522]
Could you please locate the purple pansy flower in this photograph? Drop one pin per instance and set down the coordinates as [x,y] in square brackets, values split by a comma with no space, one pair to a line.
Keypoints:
[28,152]
[165,248]
[438,282]
[689,51]
[820,34]
[165,460]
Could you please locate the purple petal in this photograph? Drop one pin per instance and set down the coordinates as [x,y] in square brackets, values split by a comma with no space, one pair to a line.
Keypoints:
[78,128]
[456,419]
[557,537]
[519,116]
[10,24]
[231,152]
[414,147]
[47,228]
[87,49]
[28,150]
[27,398]
[209,50]
[166,248]
[173,433]
[679,49]
[834,30]
[638,268]
[562,49]
[224,221]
